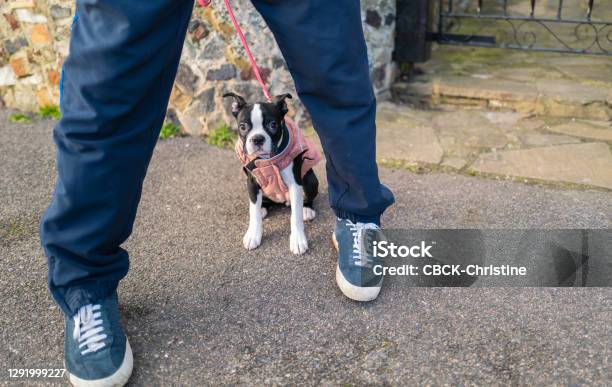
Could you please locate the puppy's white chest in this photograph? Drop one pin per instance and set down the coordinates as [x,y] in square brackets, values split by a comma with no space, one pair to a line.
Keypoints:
[289,179]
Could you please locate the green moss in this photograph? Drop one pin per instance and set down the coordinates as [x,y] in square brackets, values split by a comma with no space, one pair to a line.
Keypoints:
[20,118]
[553,121]
[169,130]
[414,167]
[471,55]
[222,137]
[51,112]
[534,181]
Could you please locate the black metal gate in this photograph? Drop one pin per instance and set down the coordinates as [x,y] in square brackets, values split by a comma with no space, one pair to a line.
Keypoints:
[574,26]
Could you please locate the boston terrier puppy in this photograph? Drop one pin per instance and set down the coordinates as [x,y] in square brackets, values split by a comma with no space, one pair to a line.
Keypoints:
[278,161]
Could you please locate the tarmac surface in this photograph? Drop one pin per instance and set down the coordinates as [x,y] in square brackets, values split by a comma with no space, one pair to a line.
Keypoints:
[200,310]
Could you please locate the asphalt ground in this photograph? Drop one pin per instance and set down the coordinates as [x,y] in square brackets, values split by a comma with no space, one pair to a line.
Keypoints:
[200,310]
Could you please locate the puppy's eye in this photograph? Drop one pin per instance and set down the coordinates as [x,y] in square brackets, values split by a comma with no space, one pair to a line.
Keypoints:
[243,127]
[272,126]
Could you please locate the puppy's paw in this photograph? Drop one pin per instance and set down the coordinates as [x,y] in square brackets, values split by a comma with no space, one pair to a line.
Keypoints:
[264,212]
[309,213]
[298,243]
[252,239]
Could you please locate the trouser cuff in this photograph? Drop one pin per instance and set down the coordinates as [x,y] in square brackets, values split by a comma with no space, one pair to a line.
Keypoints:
[357,218]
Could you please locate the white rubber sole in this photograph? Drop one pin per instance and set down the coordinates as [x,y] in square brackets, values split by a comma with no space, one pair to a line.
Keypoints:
[118,379]
[355,293]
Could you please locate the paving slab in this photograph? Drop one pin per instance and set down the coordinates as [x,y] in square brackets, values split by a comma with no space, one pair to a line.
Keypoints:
[527,74]
[454,162]
[591,130]
[543,83]
[505,120]
[464,133]
[388,112]
[565,98]
[530,123]
[455,137]
[403,142]
[469,87]
[589,163]
[599,74]
[539,139]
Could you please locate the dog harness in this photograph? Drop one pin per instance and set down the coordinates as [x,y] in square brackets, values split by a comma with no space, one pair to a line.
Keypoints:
[267,171]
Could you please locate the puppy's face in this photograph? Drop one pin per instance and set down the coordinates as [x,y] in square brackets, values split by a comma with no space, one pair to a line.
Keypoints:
[260,124]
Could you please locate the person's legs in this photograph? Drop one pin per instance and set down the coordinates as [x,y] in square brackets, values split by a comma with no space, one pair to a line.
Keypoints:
[114,91]
[323,44]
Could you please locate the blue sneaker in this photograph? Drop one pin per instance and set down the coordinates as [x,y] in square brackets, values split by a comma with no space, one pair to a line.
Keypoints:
[96,351]
[354,273]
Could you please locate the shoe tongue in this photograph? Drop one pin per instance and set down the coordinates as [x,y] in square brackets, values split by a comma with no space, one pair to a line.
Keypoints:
[368,226]
[85,314]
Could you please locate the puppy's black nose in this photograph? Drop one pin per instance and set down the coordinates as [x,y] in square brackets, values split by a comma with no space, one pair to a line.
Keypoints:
[258,139]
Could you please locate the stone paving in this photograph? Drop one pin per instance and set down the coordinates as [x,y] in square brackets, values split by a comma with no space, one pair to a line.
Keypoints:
[535,117]
[499,144]
[558,85]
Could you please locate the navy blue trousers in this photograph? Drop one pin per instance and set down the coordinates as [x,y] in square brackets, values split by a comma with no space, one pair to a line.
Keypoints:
[115,88]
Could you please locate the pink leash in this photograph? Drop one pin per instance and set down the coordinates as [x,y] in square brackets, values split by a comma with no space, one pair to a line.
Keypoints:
[206,3]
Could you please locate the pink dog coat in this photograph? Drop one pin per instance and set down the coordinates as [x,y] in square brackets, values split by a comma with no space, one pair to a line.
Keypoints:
[267,171]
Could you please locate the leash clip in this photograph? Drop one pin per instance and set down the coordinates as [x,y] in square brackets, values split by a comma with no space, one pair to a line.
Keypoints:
[204,3]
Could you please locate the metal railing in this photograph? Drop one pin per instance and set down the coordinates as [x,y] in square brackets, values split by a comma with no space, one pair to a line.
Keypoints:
[523,25]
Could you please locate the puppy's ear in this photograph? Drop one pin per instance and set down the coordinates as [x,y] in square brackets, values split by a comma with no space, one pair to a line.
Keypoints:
[280,103]
[238,104]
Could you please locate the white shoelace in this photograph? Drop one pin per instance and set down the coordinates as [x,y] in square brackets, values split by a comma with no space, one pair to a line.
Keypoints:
[357,230]
[88,329]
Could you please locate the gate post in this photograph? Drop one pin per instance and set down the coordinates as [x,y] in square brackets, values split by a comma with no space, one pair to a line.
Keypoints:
[414,19]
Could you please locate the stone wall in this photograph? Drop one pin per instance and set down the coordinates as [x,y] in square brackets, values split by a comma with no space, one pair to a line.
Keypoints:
[34,37]
[34,42]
